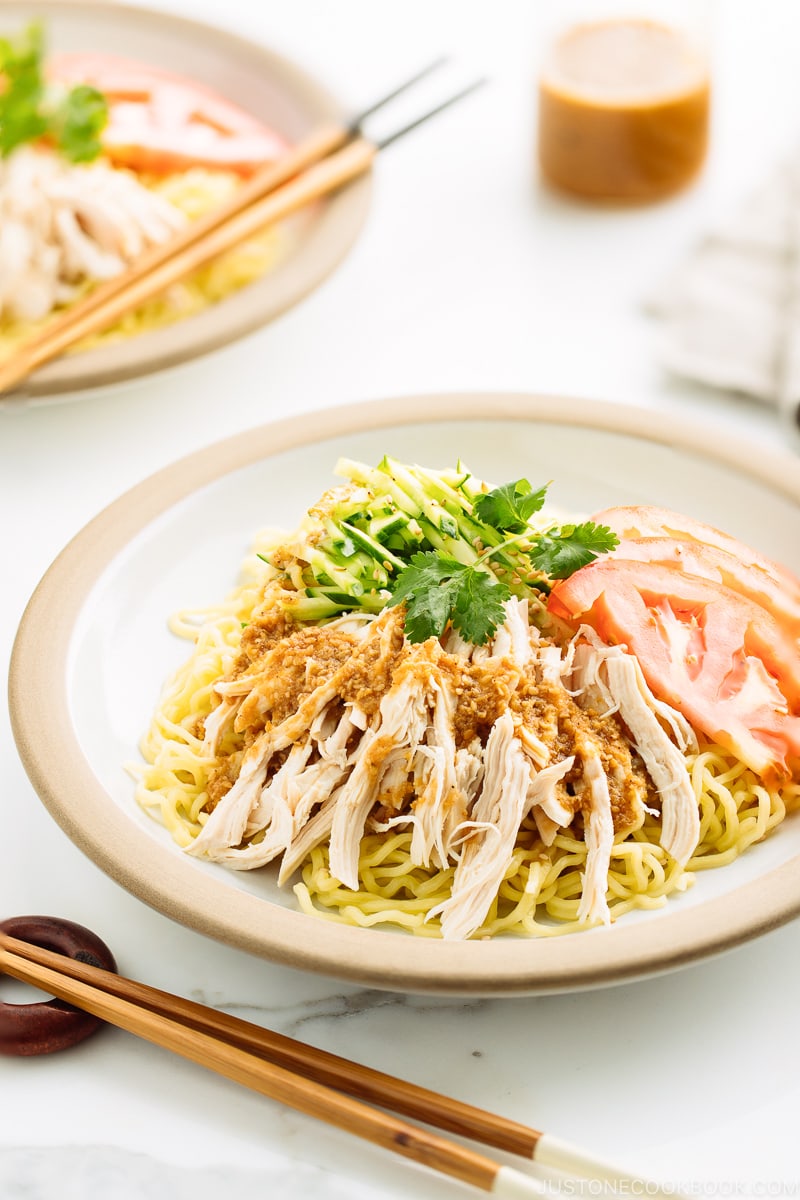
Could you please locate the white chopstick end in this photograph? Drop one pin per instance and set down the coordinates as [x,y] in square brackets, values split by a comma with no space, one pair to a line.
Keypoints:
[563,1156]
[513,1185]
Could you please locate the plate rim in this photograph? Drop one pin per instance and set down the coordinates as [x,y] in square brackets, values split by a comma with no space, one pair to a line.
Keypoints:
[341,221]
[63,778]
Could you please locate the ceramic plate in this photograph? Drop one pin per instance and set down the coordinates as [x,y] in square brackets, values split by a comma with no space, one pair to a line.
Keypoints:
[263,83]
[93,650]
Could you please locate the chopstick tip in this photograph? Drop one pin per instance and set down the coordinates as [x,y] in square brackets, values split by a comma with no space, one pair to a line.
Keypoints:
[433,112]
[553,1152]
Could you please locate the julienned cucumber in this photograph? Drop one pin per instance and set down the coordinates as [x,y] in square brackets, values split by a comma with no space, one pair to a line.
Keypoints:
[352,546]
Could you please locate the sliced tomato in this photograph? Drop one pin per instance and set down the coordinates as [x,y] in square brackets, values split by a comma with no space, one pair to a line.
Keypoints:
[710,562]
[713,654]
[161,123]
[650,521]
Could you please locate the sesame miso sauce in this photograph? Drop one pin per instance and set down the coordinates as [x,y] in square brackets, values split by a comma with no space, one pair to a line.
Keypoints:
[623,111]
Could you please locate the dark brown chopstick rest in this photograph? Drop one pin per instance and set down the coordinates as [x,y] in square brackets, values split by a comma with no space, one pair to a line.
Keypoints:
[50,1025]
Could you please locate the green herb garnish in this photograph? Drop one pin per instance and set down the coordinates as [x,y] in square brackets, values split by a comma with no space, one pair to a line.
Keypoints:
[437,589]
[31,110]
[510,506]
[78,122]
[563,551]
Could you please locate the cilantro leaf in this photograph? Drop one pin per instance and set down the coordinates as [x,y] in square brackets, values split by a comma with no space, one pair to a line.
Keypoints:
[78,122]
[428,587]
[563,551]
[29,110]
[21,90]
[510,506]
[426,569]
[479,604]
[436,589]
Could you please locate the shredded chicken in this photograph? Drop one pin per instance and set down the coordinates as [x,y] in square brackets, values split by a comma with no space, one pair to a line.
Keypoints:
[609,671]
[348,728]
[495,820]
[63,225]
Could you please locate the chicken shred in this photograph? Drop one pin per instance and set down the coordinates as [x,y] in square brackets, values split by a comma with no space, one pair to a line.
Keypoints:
[349,728]
[63,225]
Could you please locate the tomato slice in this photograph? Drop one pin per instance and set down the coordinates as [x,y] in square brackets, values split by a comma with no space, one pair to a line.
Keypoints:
[710,562]
[715,655]
[161,123]
[650,521]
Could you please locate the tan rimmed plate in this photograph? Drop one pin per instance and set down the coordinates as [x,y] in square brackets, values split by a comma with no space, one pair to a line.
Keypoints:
[93,650]
[265,84]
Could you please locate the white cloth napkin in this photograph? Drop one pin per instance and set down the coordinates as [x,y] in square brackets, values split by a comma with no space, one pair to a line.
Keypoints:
[729,314]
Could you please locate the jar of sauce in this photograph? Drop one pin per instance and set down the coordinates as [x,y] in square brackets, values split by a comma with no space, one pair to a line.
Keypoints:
[623,110]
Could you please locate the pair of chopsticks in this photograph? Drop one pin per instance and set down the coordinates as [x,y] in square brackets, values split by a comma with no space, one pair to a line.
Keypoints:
[318,165]
[313,1081]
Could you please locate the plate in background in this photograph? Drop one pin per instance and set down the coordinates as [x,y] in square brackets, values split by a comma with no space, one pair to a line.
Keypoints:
[93,651]
[263,83]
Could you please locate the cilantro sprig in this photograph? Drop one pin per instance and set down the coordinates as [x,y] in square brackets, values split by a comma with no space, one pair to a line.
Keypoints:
[438,590]
[559,553]
[30,110]
[510,506]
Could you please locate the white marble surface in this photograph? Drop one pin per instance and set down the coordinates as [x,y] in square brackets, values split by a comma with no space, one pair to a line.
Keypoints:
[467,276]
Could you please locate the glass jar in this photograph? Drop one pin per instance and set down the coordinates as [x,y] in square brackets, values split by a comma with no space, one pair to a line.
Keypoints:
[624,99]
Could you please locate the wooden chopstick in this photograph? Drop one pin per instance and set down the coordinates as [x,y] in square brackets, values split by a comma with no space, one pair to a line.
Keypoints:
[297,1091]
[326,1070]
[240,218]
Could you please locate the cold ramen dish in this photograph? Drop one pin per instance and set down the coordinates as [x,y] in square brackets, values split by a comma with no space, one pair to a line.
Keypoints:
[101,158]
[436,705]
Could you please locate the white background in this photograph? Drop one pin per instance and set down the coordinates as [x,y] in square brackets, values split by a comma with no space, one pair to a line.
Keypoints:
[468,276]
